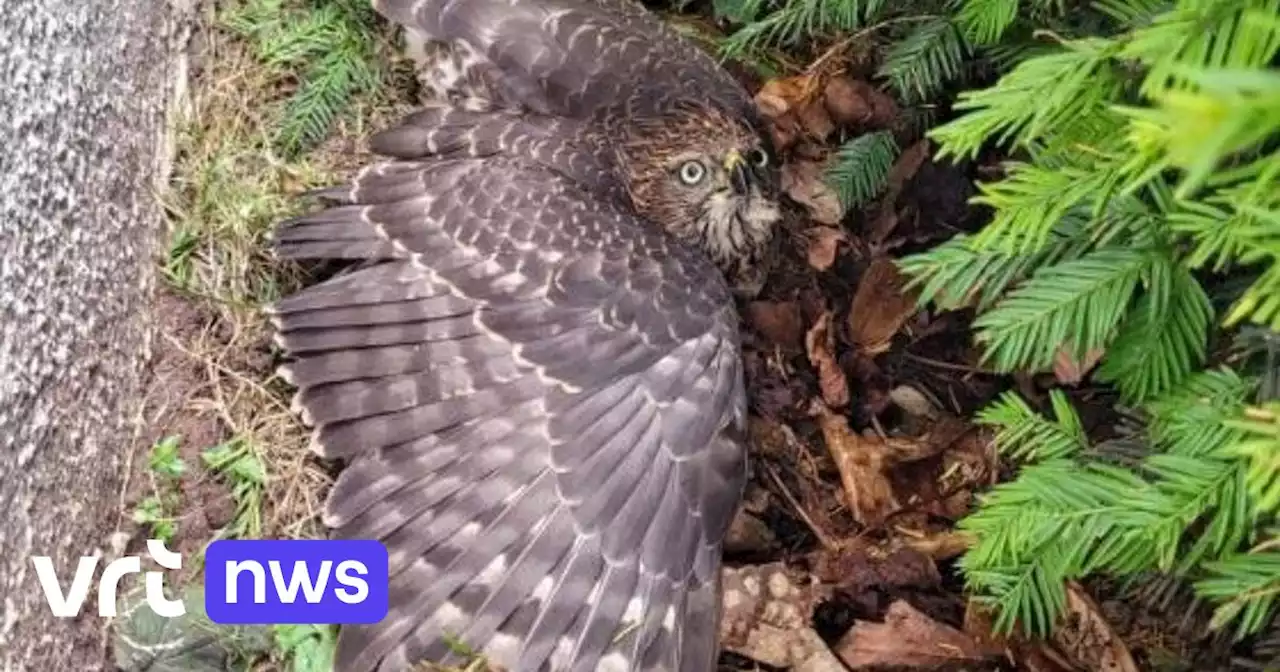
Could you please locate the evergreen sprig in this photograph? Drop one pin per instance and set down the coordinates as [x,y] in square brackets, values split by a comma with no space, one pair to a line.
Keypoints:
[984,21]
[1148,166]
[328,47]
[919,65]
[1067,516]
[861,167]
[791,22]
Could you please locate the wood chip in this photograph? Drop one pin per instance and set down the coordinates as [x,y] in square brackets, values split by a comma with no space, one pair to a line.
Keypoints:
[1085,636]
[908,638]
[767,615]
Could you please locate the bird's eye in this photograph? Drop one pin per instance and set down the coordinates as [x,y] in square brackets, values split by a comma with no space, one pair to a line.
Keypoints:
[692,172]
[758,157]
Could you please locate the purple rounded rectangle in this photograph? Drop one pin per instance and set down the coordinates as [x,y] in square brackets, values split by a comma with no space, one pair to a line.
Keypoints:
[298,581]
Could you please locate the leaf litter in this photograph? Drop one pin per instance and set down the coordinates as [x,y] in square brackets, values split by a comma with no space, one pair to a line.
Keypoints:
[863,460]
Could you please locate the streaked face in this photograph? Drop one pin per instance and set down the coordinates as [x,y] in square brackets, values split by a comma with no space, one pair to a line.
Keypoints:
[712,182]
[729,201]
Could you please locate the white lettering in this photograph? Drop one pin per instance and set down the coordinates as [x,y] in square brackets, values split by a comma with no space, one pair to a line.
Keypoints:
[68,605]
[110,581]
[300,578]
[65,606]
[361,587]
[259,580]
[163,606]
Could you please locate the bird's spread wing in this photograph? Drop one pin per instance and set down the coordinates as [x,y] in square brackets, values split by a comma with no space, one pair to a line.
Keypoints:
[541,406]
[572,57]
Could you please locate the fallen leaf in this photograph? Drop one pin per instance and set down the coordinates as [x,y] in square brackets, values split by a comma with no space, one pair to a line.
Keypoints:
[905,167]
[1085,635]
[810,653]
[908,638]
[863,463]
[784,131]
[814,120]
[840,96]
[784,94]
[1068,371]
[784,102]
[883,223]
[970,463]
[779,321]
[824,242]
[851,102]
[819,344]
[805,183]
[880,307]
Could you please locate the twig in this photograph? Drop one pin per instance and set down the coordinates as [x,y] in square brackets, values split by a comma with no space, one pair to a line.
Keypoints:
[844,43]
[826,541]
[937,363]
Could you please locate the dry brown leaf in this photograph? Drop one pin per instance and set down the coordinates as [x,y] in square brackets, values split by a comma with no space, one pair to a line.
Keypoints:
[908,638]
[970,462]
[779,321]
[779,101]
[903,169]
[906,166]
[824,243]
[804,182]
[780,96]
[1085,636]
[784,131]
[819,344]
[880,307]
[863,463]
[855,103]
[1070,372]
[883,223]
[814,120]
[771,104]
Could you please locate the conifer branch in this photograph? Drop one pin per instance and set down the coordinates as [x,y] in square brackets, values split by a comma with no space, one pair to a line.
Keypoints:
[861,167]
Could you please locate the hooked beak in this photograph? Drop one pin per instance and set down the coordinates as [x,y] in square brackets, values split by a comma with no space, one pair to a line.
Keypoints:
[736,167]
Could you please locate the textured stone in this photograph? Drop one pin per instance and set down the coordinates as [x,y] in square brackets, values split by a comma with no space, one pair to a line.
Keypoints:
[84,86]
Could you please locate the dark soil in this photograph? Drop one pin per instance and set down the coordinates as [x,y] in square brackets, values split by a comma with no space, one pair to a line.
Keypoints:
[177,380]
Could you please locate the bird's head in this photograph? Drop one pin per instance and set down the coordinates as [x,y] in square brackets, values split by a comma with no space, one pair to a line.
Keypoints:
[711,180]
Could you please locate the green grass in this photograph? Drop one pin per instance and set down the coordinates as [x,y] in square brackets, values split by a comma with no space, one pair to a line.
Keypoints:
[247,145]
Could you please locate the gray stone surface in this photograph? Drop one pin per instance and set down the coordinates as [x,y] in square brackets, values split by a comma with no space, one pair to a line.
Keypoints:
[83,91]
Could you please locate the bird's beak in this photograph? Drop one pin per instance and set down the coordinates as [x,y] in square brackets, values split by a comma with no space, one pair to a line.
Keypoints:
[736,167]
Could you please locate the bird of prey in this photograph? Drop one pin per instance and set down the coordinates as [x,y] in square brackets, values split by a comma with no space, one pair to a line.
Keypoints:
[531,370]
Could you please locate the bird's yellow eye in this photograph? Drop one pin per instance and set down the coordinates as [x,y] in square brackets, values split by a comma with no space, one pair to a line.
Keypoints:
[692,172]
[758,157]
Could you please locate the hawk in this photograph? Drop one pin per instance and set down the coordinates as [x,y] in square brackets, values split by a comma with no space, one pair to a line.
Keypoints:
[531,371]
